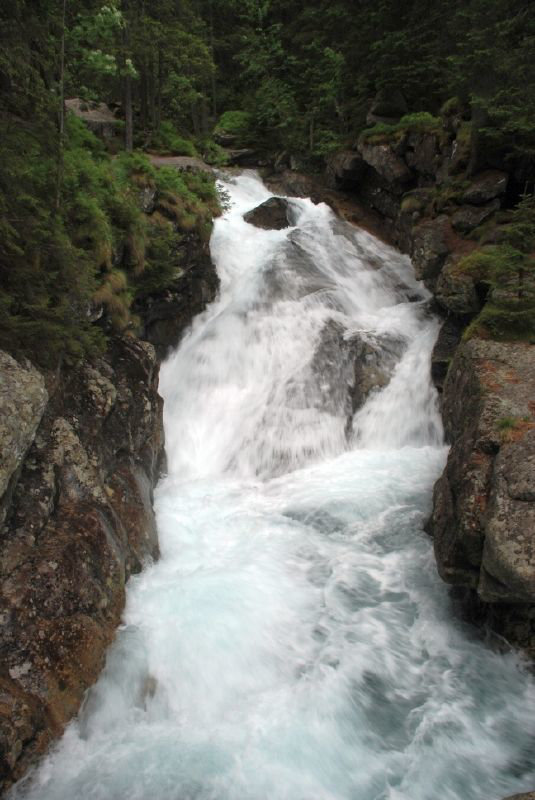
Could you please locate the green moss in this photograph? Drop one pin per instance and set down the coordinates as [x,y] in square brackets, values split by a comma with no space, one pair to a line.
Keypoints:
[167,141]
[420,121]
[507,423]
[212,153]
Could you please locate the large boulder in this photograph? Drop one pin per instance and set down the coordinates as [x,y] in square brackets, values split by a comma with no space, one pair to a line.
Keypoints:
[455,291]
[273,214]
[345,169]
[347,367]
[469,217]
[484,503]
[386,163]
[23,398]
[486,186]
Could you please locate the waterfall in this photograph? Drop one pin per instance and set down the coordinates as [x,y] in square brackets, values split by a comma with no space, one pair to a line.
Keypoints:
[294,641]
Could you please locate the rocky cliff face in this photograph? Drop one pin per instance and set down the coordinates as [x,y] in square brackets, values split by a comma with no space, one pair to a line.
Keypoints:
[77,476]
[483,519]
[166,314]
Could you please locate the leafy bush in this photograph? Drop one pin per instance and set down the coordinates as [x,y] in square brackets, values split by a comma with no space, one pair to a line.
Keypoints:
[238,124]
[167,140]
[420,121]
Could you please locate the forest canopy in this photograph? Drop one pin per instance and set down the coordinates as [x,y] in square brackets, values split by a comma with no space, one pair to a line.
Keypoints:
[295,77]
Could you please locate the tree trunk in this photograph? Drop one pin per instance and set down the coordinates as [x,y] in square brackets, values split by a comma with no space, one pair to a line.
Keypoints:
[159,84]
[214,90]
[128,116]
[61,138]
[127,89]
[152,93]
[143,95]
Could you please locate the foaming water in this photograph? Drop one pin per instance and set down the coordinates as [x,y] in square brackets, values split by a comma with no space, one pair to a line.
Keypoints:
[294,641]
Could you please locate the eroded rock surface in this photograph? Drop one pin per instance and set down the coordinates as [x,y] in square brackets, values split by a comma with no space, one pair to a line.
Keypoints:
[484,504]
[79,523]
[347,367]
[23,399]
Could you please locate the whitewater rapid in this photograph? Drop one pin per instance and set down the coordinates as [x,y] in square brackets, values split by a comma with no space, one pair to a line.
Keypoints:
[294,641]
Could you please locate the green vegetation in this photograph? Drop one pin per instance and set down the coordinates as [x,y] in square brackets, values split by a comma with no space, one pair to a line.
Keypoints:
[167,141]
[284,78]
[235,123]
[421,122]
[508,269]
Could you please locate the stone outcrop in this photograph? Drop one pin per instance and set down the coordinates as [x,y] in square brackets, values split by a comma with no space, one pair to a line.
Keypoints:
[528,796]
[80,521]
[98,117]
[345,169]
[23,398]
[347,367]
[486,186]
[274,214]
[484,503]
[166,314]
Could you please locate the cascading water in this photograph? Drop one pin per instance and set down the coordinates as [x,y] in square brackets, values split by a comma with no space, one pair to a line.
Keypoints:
[294,641]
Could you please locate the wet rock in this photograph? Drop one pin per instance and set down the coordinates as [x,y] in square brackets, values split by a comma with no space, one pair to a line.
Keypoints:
[469,217]
[345,169]
[347,367]
[486,186]
[444,350]
[23,398]
[455,290]
[80,522]
[374,359]
[274,214]
[484,503]
[386,163]
[528,796]
[430,248]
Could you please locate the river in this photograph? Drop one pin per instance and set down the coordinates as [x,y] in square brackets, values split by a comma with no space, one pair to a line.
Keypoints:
[294,641]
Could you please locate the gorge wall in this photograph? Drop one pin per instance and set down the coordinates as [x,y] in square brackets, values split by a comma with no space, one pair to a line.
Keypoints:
[428,199]
[81,450]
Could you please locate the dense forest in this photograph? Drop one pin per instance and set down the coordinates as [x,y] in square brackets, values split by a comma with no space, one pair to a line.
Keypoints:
[180,75]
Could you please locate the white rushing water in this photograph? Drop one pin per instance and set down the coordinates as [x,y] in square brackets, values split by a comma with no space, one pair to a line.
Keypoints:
[294,641]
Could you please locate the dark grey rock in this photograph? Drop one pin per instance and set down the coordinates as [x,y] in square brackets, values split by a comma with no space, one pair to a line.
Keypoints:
[444,349]
[345,169]
[386,163]
[469,217]
[455,290]
[486,186]
[273,214]
[430,248]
